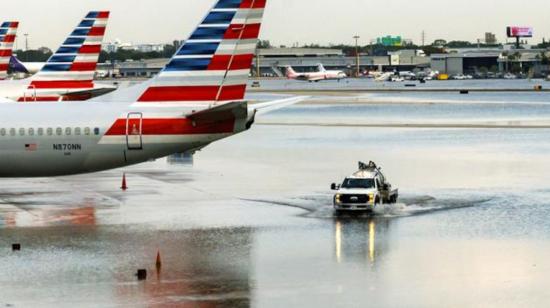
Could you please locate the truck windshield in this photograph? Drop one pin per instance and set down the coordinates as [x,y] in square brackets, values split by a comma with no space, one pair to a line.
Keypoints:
[358,183]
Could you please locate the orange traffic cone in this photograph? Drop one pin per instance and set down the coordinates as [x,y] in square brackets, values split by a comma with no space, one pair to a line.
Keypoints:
[124,186]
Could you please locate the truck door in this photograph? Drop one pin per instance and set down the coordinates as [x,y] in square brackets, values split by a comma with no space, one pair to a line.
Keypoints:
[134,125]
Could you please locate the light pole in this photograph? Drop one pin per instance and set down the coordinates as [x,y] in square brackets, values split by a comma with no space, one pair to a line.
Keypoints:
[357,37]
[26,47]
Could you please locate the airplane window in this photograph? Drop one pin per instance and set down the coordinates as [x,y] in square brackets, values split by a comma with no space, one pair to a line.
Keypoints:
[31,131]
[49,131]
[3,131]
[59,131]
[77,131]
[96,131]
[12,131]
[87,131]
[40,131]
[68,131]
[21,132]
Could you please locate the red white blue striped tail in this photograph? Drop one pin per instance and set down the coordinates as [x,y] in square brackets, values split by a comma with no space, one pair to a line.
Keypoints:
[8,31]
[213,65]
[73,65]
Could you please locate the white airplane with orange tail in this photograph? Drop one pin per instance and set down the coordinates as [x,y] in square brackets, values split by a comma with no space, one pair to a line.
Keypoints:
[321,74]
[69,73]
[198,98]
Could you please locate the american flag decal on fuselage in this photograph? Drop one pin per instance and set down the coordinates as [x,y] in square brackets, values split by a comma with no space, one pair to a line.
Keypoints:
[31,147]
[213,65]
[8,32]
[72,67]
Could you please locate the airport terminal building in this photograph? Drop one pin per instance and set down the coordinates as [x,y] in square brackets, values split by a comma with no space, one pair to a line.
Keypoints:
[268,61]
[471,61]
[272,62]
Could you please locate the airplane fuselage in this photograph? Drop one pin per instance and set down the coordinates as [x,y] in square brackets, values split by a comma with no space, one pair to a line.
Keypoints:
[54,139]
[317,76]
[23,90]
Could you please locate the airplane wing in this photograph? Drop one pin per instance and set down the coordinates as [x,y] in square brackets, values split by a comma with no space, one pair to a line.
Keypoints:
[316,78]
[263,108]
[88,93]
[301,77]
[232,109]
[222,111]
[6,100]
[218,113]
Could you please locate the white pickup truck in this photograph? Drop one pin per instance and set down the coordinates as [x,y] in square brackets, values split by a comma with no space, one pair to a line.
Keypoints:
[364,190]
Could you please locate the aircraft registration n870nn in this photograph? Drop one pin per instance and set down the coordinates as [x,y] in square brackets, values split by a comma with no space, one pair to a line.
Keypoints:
[195,100]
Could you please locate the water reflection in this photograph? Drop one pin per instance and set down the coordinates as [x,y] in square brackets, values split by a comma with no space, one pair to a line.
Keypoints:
[79,214]
[201,268]
[360,239]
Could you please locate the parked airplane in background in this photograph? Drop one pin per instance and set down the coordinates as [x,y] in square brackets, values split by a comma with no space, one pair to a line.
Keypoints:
[386,76]
[195,100]
[332,74]
[8,31]
[69,73]
[29,68]
[321,74]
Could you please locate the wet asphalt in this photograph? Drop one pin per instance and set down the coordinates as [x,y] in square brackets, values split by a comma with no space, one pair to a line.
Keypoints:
[248,221]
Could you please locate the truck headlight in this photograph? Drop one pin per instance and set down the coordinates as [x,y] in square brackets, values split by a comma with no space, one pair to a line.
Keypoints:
[371,197]
[337,198]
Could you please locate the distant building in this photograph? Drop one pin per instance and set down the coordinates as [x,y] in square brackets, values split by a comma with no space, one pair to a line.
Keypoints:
[465,61]
[119,45]
[177,43]
[150,48]
[299,52]
[490,38]
[113,46]
[535,61]
[109,47]
[143,68]
[272,60]
[474,60]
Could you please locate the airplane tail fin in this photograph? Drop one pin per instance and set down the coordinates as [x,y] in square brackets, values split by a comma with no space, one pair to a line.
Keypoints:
[8,32]
[74,64]
[213,65]
[321,68]
[17,66]
[290,73]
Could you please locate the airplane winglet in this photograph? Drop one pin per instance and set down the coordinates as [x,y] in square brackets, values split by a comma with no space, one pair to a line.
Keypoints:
[263,108]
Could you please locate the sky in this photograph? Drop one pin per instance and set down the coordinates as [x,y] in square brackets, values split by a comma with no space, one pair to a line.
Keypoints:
[286,22]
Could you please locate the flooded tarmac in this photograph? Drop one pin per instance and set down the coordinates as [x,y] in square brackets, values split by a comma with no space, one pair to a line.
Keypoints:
[248,221]
[364,84]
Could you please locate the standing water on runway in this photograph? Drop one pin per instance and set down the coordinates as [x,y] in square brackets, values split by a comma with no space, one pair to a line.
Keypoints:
[249,221]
